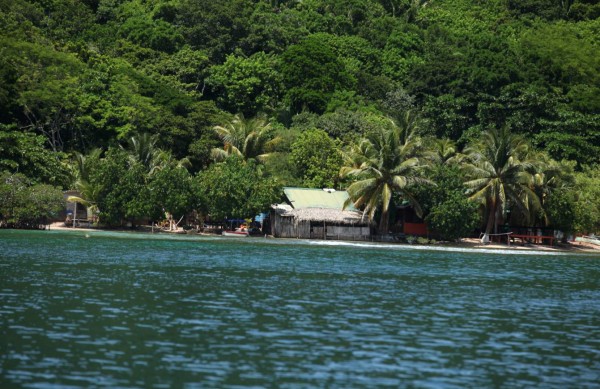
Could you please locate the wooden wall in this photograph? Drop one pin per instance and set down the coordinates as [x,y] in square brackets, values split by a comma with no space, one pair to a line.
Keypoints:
[288,227]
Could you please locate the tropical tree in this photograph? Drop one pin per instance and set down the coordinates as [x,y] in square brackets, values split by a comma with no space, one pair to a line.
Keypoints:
[499,170]
[142,148]
[441,151]
[385,162]
[552,182]
[247,84]
[587,212]
[312,72]
[448,212]
[81,165]
[24,204]
[317,159]
[123,188]
[235,189]
[170,193]
[245,138]
[24,152]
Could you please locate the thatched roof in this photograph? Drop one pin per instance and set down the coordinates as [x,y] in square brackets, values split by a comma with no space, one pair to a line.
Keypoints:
[326,215]
[281,209]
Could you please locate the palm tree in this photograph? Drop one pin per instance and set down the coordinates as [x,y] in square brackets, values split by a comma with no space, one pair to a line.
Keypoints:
[89,193]
[89,198]
[499,170]
[441,151]
[550,176]
[79,164]
[166,159]
[384,162]
[247,138]
[142,148]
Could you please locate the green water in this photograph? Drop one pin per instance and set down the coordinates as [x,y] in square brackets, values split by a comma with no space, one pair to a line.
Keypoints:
[123,310]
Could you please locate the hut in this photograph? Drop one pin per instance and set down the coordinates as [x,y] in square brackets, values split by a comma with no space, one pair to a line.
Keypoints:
[318,214]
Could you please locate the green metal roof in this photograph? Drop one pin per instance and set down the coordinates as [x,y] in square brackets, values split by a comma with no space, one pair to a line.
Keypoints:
[317,198]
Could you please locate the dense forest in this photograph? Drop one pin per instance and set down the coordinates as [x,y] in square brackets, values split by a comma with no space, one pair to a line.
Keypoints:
[477,112]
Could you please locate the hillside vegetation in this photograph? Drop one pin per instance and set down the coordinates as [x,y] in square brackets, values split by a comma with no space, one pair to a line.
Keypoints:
[296,87]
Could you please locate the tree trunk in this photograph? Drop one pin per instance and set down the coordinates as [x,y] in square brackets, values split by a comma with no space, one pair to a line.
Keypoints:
[491,222]
[383,222]
[496,219]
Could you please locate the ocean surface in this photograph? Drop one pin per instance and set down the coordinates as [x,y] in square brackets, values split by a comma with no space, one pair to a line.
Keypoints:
[81,309]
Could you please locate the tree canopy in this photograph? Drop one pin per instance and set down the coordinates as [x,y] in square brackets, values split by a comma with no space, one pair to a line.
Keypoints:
[79,75]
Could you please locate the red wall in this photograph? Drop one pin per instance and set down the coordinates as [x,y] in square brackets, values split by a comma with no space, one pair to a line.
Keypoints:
[415,229]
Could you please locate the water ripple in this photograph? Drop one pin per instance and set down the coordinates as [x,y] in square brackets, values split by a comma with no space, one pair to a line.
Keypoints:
[130,311]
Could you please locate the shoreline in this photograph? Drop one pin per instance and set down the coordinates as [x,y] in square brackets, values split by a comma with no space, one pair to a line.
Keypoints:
[572,246]
[465,243]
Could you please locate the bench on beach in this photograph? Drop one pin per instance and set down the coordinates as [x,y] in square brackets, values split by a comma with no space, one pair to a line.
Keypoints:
[536,239]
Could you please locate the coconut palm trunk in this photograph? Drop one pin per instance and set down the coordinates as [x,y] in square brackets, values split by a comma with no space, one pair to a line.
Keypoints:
[383,163]
[499,168]
[491,219]
[384,222]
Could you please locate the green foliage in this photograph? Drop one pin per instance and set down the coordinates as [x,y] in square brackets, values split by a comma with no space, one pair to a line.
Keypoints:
[235,189]
[341,124]
[572,135]
[584,10]
[247,85]
[80,74]
[246,138]
[312,73]
[45,88]
[317,158]
[282,168]
[123,190]
[68,19]
[184,70]
[383,164]
[446,208]
[587,211]
[402,52]
[169,190]
[27,205]
[560,206]
[448,116]
[357,53]
[563,53]
[546,9]
[155,34]
[499,170]
[214,26]
[454,218]
[25,153]
[273,27]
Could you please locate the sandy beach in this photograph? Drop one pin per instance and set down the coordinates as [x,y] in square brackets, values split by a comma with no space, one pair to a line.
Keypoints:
[569,247]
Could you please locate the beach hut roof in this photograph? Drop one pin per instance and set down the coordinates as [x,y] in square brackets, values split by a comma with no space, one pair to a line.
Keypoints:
[327,215]
[317,198]
[281,209]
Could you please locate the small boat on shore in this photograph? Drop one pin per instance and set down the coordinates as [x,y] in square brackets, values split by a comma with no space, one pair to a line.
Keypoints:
[237,233]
